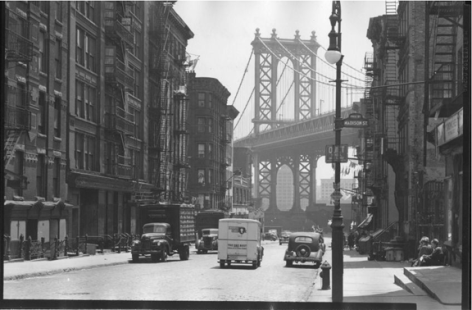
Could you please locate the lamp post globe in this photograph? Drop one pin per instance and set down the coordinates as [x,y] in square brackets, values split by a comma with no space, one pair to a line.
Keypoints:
[333,56]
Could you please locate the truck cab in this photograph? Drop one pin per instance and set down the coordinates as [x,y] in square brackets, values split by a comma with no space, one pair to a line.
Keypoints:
[239,241]
[208,241]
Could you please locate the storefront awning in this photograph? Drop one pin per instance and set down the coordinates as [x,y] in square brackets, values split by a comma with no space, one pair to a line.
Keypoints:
[367,221]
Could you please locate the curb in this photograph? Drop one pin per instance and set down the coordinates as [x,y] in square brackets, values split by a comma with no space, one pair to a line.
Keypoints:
[57,271]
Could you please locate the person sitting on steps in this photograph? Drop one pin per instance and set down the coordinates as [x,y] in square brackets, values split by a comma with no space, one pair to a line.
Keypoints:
[423,249]
[436,258]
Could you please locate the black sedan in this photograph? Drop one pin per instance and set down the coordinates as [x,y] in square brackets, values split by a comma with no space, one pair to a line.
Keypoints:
[305,247]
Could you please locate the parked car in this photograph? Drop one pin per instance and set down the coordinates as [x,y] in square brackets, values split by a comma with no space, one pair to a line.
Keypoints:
[305,247]
[269,236]
[284,237]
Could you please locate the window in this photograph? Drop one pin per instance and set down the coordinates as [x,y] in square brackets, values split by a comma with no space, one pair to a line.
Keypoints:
[201,150]
[79,52]
[59,11]
[57,118]
[201,177]
[56,177]
[42,112]
[87,8]
[89,153]
[43,52]
[79,99]
[44,6]
[84,152]
[58,59]
[40,174]
[85,101]
[210,176]
[210,125]
[79,151]
[201,100]
[210,151]
[210,99]
[89,103]
[22,96]
[19,169]
[90,53]
[201,124]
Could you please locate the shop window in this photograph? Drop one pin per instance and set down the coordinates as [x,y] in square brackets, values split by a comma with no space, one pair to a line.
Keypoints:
[43,230]
[17,228]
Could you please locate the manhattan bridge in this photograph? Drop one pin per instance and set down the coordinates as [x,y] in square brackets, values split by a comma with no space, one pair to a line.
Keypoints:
[286,100]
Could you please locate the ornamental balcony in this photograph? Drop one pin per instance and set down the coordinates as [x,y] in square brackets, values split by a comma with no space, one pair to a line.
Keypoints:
[115,29]
[16,108]
[18,47]
[117,72]
[121,121]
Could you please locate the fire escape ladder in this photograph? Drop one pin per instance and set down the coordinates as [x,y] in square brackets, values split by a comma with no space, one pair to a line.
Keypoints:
[12,138]
[443,57]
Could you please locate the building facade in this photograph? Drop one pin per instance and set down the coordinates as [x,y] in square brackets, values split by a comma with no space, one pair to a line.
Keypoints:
[210,142]
[96,115]
[35,134]
[416,85]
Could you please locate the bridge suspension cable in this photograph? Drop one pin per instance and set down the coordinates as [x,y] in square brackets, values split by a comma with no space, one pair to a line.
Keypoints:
[242,79]
[332,66]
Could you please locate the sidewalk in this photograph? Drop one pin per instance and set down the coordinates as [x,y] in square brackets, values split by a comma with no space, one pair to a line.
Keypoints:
[394,282]
[363,281]
[36,268]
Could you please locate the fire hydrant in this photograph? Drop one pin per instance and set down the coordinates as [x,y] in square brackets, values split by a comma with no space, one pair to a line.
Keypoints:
[325,275]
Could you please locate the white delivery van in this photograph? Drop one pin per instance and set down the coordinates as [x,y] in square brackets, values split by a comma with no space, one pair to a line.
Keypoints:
[239,241]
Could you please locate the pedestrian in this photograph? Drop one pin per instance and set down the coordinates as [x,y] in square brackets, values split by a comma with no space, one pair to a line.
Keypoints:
[424,248]
[350,241]
[356,238]
[436,258]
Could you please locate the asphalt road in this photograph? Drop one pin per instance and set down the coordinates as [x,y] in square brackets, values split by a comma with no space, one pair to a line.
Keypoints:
[198,279]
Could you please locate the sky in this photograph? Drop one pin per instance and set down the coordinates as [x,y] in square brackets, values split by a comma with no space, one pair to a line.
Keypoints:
[224,31]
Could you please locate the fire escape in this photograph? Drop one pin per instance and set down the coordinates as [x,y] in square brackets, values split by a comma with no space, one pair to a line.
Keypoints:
[17,117]
[445,90]
[119,79]
[445,96]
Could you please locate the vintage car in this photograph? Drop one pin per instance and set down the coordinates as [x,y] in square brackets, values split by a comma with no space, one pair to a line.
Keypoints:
[305,247]
[284,237]
[208,241]
[269,236]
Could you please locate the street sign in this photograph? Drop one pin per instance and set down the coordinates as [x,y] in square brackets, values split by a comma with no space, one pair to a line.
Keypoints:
[336,153]
[355,120]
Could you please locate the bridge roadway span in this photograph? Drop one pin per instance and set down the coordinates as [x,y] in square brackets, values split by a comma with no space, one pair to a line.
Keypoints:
[310,135]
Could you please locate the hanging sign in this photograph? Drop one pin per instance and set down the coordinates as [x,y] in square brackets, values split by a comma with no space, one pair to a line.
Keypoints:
[355,120]
[336,153]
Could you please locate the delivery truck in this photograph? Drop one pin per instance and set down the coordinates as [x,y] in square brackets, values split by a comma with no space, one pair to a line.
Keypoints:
[166,230]
[239,241]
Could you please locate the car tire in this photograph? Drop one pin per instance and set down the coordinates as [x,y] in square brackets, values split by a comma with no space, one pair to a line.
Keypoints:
[184,253]
[205,251]
[135,257]
[163,255]
[199,251]
[288,263]
[254,264]
[303,251]
[317,265]
[154,257]
[229,263]
[222,264]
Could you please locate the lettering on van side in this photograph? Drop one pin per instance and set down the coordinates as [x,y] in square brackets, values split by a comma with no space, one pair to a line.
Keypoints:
[237,229]
[236,246]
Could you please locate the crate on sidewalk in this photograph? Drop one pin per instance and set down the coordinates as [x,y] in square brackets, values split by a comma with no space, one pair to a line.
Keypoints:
[394,254]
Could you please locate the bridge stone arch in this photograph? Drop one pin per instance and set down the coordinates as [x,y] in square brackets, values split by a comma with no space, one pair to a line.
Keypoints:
[302,54]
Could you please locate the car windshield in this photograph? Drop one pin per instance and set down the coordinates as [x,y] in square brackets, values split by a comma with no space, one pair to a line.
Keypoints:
[154,229]
[303,240]
[206,232]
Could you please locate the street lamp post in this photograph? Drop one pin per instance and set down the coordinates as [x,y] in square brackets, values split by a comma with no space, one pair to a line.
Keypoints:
[334,56]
